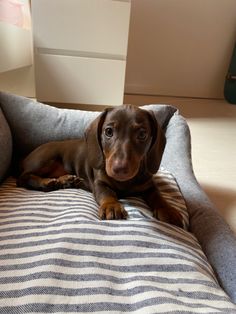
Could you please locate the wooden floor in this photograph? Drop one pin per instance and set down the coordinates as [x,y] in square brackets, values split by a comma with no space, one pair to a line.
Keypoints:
[213,130]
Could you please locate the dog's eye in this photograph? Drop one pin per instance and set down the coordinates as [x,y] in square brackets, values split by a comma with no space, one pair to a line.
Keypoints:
[142,134]
[109,132]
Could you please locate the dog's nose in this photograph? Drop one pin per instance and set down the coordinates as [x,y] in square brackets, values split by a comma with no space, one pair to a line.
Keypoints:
[120,166]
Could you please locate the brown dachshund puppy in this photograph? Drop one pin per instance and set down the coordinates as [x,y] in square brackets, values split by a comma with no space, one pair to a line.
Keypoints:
[121,151]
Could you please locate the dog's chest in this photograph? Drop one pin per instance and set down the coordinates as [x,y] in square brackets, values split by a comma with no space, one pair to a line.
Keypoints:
[132,187]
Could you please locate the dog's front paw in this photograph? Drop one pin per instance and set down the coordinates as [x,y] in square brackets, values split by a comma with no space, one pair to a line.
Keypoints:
[169,215]
[112,210]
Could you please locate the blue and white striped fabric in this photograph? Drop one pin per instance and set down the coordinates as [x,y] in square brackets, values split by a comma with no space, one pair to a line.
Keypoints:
[56,256]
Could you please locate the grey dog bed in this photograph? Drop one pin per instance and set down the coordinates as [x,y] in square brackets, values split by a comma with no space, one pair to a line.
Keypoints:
[57,256]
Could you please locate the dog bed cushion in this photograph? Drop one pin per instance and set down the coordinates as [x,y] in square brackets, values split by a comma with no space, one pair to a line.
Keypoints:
[57,256]
[5,146]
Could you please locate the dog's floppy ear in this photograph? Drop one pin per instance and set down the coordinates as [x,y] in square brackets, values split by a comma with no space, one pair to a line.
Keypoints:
[93,139]
[157,147]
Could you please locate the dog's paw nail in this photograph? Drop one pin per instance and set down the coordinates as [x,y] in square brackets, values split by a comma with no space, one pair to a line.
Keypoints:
[102,213]
[110,215]
[77,181]
[124,214]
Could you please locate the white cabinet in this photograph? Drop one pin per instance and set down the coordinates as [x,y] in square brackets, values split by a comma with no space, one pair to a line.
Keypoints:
[80,49]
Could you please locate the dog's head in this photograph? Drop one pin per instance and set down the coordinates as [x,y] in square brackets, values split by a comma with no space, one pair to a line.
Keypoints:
[125,140]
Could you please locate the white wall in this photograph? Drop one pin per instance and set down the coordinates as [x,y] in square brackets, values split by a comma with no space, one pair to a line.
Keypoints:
[180,47]
[15,35]
[16,71]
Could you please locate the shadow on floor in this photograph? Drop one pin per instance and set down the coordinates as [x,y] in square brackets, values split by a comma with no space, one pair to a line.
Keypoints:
[225,201]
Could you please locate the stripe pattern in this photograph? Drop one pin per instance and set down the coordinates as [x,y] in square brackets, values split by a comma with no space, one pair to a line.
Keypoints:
[56,256]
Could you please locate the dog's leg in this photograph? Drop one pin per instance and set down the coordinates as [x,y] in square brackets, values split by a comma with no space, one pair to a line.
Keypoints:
[162,210]
[34,182]
[110,208]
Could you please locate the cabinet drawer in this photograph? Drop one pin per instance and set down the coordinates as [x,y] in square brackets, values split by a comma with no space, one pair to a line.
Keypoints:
[68,79]
[99,26]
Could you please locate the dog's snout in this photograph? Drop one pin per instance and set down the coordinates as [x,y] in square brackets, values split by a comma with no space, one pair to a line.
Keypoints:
[120,166]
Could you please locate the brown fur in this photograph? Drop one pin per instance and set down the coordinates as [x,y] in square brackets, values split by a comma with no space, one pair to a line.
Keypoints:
[121,151]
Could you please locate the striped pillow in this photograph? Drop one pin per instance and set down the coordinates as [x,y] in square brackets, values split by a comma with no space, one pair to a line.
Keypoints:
[57,256]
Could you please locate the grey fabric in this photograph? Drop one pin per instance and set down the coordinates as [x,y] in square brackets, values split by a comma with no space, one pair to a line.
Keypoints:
[33,123]
[163,113]
[5,146]
[214,235]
